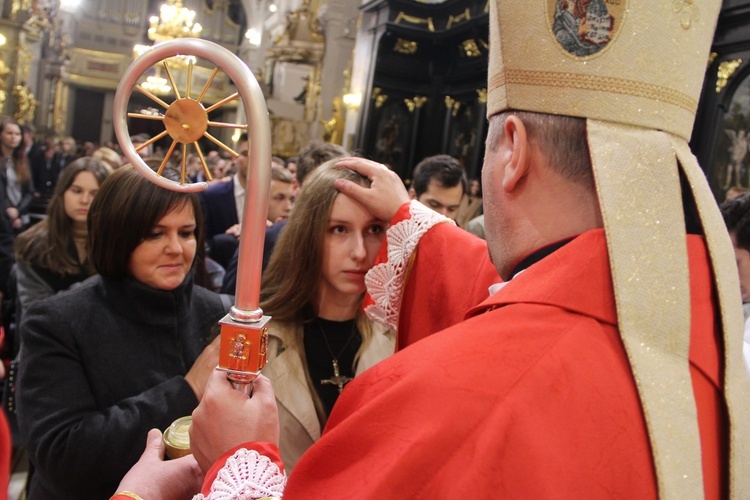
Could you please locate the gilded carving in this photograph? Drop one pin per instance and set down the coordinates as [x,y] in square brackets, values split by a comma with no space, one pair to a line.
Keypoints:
[470,48]
[725,72]
[453,105]
[415,20]
[3,73]
[464,16]
[407,47]
[711,58]
[482,96]
[25,104]
[380,100]
[415,103]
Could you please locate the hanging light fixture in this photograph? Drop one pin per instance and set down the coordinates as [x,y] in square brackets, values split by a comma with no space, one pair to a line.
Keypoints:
[157,84]
[174,21]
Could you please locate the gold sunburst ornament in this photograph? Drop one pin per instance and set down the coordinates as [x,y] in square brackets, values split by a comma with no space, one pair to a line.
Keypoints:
[186,120]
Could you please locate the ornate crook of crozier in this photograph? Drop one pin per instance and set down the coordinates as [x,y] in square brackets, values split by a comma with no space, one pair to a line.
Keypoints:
[244,331]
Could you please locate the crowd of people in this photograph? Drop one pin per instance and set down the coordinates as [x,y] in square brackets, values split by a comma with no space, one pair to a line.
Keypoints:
[157,269]
[606,360]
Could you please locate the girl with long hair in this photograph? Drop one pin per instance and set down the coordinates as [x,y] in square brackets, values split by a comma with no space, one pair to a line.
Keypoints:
[52,255]
[16,193]
[313,288]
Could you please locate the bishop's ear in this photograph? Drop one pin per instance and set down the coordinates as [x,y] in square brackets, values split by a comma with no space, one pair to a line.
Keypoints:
[515,139]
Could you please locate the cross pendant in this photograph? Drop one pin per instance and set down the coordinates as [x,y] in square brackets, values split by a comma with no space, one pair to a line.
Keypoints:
[337,379]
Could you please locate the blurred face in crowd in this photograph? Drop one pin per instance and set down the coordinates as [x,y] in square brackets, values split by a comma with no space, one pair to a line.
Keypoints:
[474,188]
[11,136]
[165,257]
[352,242]
[69,146]
[742,257]
[281,200]
[443,200]
[241,161]
[78,197]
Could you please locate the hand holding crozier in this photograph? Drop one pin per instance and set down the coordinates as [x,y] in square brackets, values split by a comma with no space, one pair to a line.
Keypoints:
[226,418]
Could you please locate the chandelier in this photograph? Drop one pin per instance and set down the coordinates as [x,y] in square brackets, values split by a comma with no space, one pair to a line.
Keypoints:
[174,21]
[157,84]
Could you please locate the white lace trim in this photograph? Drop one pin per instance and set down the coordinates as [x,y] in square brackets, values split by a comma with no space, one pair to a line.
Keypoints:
[385,282]
[246,475]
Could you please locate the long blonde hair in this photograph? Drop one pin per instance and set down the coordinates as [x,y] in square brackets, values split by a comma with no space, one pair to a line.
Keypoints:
[289,288]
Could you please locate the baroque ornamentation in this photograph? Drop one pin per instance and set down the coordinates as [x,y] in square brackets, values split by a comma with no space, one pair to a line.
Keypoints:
[407,47]
[725,72]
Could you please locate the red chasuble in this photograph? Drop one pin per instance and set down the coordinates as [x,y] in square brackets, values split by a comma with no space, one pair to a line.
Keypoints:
[530,396]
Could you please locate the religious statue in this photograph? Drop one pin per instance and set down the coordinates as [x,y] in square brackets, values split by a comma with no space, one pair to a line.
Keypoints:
[334,127]
[25,104]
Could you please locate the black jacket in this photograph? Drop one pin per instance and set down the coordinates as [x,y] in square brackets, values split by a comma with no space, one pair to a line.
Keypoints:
[100,366]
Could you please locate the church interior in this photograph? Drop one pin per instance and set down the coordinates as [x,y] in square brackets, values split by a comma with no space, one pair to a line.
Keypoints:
[394,80]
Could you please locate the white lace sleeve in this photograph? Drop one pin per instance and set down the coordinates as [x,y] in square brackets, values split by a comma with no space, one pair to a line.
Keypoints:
[385,282]
[247,475]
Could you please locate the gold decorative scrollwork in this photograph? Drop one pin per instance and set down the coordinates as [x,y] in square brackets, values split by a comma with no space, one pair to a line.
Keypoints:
[453,105]
[725,72]
[379,97]
[25,104]
[3,74]
[470,48]
[482,96]
[415,20]
[415,103]
[407,47]
[711,58]
[464,16]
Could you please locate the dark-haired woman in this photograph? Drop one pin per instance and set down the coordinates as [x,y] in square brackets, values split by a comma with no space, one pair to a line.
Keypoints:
[52,255]
[124,352]
[16,193]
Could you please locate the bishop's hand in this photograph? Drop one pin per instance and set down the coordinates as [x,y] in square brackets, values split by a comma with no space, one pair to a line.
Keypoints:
[227,418]
[386,194]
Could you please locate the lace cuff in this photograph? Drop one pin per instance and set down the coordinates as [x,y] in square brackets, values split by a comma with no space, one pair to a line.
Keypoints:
[385,281]
[246,475]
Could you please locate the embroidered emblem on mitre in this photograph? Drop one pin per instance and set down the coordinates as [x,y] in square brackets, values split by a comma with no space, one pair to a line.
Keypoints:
[585,27]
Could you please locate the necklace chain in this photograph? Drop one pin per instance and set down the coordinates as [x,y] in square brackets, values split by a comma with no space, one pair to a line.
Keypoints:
[337,379]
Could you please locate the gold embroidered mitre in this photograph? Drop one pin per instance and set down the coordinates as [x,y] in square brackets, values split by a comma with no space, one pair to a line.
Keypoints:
[635,62]
[634,70]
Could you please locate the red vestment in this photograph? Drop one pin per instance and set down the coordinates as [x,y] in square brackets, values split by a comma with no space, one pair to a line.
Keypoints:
[531,396]
[6,446]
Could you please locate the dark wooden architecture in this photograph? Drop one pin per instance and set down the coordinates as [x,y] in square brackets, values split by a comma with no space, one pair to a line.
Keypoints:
[721,137]
[428,79]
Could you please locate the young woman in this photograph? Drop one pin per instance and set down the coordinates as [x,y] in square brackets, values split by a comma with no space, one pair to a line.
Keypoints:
[124,352]
[16,193]
[313,288]
[53,254]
